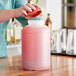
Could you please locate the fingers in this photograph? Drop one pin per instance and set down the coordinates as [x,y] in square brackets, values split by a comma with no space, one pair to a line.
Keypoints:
[31,6]
[26,8]
[24,12]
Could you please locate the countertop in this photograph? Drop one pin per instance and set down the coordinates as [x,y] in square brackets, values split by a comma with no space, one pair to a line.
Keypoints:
[60,66]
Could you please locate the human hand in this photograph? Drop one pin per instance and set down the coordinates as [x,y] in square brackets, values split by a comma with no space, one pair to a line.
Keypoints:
[25,9]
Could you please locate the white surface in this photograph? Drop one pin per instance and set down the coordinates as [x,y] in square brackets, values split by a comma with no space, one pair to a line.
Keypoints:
[14,50]
[54,7]
[42,4]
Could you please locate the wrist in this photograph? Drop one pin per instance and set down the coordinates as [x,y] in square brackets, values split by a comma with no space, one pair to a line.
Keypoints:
[16,13]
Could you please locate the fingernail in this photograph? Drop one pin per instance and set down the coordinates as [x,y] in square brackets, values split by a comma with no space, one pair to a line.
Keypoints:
[34,8]
[26,13]
[31,10]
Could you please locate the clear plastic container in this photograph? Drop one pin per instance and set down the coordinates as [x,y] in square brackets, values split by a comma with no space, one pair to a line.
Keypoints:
[36,47]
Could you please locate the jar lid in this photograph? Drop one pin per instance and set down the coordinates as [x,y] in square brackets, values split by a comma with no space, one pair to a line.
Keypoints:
[33,13]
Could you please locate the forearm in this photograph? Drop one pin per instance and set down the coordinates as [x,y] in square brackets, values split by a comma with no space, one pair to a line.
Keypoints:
[7,14]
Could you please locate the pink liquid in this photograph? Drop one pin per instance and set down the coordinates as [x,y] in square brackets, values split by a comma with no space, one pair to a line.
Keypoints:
[35,48]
